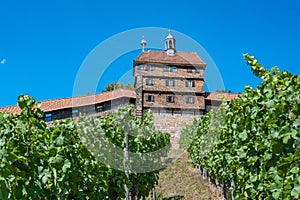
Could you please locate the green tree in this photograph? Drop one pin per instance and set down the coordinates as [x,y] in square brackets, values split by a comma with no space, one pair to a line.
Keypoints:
[116,85]
[129,86]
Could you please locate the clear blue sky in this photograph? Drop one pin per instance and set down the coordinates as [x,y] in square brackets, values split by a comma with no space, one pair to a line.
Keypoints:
[45,42]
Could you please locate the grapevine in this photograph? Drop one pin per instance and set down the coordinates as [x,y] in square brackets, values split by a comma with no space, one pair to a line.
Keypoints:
[257,152]
[50,161]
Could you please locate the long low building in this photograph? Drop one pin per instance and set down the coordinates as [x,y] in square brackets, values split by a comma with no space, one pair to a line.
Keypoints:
[93,104]
[90,104]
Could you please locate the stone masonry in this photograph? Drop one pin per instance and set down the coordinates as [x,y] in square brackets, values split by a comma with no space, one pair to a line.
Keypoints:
[171,85]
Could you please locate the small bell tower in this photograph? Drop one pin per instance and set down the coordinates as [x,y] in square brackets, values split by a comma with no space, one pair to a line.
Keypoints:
[170,44]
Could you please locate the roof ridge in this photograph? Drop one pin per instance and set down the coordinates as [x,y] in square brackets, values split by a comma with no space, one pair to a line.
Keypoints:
[181,57]
[86,95]
[63,104]
[163,51]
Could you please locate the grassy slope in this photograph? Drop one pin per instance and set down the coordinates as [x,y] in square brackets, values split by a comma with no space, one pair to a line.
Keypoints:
[180,181]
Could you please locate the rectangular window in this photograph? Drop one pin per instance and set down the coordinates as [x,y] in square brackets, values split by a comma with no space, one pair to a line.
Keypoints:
[170,99]
[149,81]
[166,68]
[173,69]
[170,82]
[198,70]
[190,100]
[99,108]
[48,117]
[149,68]
[75,113]
[141,67]
[150,98]
[189,69]
[190,83]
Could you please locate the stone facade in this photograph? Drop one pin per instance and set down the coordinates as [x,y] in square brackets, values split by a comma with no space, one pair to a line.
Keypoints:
[167,122]
[171,85]
[179,84]
[166,70]
[180,101]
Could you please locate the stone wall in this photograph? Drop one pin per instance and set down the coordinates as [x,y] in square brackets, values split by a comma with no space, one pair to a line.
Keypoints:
[159,70]
[159,84]
[139,98]
[180,101]
[151,81]
[167,122]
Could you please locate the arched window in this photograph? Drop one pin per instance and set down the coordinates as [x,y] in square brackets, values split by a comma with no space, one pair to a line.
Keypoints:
[166,45]
[170,44]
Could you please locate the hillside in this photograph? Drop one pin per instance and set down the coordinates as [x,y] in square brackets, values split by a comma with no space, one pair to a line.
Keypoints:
[181,181]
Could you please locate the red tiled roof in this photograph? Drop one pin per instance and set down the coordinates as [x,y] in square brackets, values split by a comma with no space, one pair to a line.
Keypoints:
[90,99]
[183,58]
[218,96]
[11,109]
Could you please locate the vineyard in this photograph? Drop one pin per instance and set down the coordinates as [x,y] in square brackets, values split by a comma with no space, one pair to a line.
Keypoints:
[252,145]
[68,160]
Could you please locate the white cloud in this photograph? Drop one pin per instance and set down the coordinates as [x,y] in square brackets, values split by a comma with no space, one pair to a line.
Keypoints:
[3,61]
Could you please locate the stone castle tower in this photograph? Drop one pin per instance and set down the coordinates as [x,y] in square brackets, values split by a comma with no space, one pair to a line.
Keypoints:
[171,84]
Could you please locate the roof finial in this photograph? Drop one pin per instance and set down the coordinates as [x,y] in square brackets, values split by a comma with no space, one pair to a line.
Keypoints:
[143,43]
